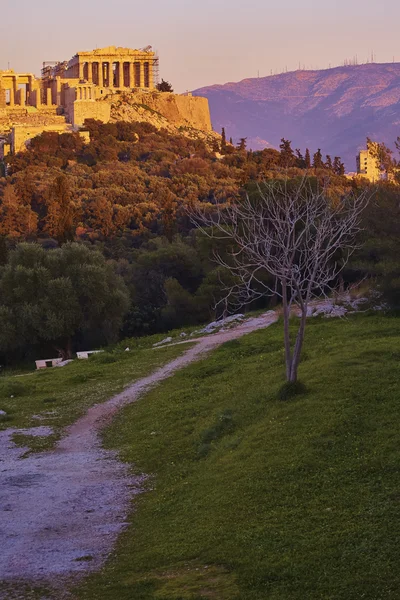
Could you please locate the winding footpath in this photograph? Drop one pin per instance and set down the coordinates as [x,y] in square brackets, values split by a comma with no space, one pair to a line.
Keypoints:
[62,510]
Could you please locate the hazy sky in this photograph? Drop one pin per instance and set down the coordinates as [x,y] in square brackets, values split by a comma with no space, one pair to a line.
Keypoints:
[206,41]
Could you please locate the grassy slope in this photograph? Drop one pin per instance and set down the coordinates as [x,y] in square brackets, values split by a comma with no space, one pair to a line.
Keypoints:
[58,397]
[257,499]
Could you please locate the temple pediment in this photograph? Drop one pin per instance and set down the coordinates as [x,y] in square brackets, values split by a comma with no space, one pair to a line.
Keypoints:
[113,51]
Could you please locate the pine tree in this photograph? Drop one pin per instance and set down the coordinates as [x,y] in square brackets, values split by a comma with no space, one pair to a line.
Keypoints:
[318,163]
[307,159]
[242,144]
[328,163]
[301,163]
[164,86]
[287,157]
[338,166]
[223,141]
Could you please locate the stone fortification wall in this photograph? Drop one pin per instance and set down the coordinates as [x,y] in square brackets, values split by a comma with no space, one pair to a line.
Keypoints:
[91,110]
[179,111]
[21,134]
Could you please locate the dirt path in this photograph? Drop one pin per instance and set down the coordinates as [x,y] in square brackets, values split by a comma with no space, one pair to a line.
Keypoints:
[62,510]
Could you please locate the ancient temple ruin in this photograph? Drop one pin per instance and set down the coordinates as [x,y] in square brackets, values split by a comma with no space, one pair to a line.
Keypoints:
[71,91]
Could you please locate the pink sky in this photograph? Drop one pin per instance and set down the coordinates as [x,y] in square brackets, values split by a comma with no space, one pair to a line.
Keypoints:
[201,43]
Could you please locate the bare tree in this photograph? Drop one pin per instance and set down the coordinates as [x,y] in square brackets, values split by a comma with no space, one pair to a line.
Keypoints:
[291,232]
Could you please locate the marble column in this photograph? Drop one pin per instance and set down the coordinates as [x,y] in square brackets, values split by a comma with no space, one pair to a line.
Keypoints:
[90,72]
[12,92]
[131,75]
[119,74]
[80,67]
[108,74]
[101,74]
[141,66]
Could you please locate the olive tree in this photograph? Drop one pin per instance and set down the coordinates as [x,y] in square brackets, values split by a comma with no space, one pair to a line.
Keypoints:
[287,238]
[53,296]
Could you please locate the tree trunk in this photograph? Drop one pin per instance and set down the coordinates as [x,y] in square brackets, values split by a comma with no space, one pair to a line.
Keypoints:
[299,345]
[286,319]
[66,351]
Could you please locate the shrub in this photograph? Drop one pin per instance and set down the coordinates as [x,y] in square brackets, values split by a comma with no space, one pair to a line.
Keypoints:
[15,388]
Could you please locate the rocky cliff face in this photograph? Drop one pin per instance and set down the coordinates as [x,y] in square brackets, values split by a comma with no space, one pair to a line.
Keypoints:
[334,109]
[187,114]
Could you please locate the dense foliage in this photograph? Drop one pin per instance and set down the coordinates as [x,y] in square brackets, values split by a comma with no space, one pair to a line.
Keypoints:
[58,297]
[126,193]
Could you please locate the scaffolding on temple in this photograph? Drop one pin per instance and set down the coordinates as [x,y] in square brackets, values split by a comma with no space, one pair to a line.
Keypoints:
[47,68]
[156,70]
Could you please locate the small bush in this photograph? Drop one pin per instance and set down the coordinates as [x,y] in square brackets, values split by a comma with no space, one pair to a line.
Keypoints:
[16,389]
[291,389]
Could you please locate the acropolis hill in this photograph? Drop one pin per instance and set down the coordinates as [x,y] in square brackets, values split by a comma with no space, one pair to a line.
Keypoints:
[107,84]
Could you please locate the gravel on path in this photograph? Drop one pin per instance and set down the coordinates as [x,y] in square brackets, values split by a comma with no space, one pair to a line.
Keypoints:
[62,510]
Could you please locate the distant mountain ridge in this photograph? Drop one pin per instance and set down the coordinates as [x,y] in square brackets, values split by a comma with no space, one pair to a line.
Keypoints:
[332,109]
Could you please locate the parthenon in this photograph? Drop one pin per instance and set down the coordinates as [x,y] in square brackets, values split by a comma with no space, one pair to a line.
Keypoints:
[69,92]
[88,86]
[91,74]
[108,68]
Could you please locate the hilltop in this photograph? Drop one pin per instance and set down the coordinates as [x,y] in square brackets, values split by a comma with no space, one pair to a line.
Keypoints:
[332,109]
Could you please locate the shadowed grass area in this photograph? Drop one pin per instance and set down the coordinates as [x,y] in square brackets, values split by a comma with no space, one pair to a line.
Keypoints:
[59,396]
[253,498]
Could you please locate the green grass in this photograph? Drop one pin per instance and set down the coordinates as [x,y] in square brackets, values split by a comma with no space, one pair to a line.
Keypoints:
[252,498]
[59,396]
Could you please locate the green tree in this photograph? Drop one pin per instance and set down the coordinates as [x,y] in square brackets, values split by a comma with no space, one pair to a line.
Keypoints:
[242,144]
[300,162]
[307,159]
[318,163]
[57,296]
[223,141]
[3,251]
[164,86]
[287,156]
[383,155]
[338,166]
[62,212]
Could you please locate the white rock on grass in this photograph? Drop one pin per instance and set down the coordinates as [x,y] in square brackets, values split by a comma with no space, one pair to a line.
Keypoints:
[167,340]
[211,327]
[64,363]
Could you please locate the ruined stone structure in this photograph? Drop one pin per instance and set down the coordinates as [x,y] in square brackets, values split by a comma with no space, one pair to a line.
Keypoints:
[83,88]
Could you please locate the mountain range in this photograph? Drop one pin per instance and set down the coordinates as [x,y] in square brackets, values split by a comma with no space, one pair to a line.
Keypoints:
[333,109]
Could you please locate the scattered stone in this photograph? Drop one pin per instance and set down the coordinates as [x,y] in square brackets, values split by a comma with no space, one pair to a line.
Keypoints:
[211,327]
[42,431]
[167,340]
[126,349]
[183,334]
[64,363]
